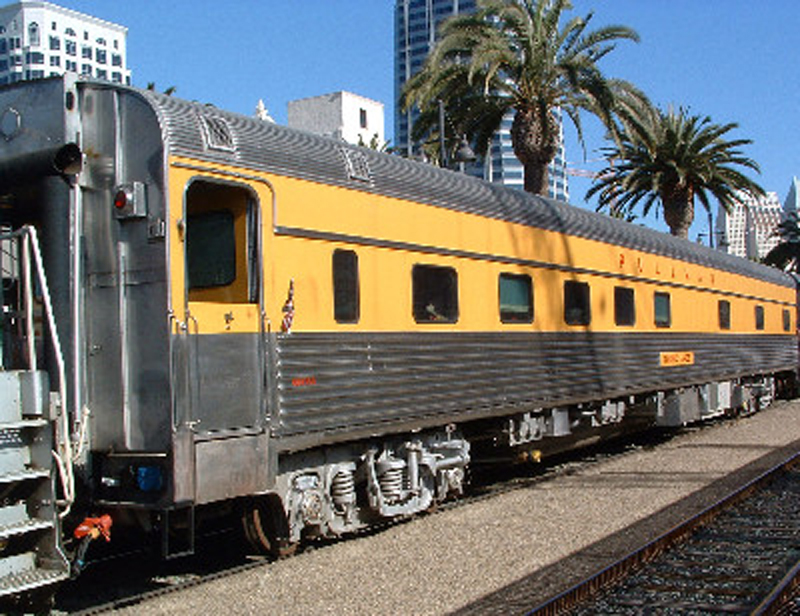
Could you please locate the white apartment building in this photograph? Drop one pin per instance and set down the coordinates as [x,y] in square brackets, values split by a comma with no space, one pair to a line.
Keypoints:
[748,230]
[341,115]
[40,39]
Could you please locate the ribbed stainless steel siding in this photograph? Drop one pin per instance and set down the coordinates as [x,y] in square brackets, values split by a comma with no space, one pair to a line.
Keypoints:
[335,383]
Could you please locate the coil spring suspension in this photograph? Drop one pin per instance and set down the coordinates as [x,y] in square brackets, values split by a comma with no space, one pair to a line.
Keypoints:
[391,481]
[343,489]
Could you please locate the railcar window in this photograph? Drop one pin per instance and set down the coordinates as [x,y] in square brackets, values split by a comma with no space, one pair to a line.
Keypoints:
[577,303]
[345,286]
[624,306]
[435,291]
[724,310]
[787,320]
[759,317]
[516,298]
[662,309]
[221,243]
[210,249]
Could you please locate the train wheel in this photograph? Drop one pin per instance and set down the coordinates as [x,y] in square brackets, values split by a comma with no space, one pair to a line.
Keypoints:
[265,527]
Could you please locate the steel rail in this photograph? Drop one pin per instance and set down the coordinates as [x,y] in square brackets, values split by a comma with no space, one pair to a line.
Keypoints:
[783,591]
[612,574]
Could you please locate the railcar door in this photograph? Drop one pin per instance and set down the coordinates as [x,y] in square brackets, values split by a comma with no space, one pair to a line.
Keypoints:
[224,406]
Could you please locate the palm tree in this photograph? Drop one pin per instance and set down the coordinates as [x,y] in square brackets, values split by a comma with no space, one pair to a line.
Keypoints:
[514,55]
[668,159]
[786,255]
[151,85]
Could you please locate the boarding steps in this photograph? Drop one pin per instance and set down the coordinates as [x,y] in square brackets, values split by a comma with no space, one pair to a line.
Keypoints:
[30,549]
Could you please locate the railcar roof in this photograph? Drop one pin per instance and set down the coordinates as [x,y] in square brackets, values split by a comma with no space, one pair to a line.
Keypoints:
[209,133]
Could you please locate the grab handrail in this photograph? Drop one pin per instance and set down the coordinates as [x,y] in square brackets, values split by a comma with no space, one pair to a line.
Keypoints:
[31,255]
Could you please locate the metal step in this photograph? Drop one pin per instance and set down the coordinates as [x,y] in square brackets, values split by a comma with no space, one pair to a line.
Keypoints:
[23,423]
[25,475]
[23,528]
[24,576]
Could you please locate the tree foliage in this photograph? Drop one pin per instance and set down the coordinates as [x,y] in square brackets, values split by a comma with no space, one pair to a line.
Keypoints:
[516,55]
[786,255]
[667,159]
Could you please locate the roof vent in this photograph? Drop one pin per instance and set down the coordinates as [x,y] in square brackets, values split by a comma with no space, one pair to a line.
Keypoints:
[217,134]
[357,165]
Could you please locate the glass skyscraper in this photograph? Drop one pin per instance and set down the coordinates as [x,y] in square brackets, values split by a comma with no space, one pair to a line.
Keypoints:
[416,24]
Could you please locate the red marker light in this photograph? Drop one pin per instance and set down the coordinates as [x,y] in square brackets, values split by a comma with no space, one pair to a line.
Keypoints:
[120,199]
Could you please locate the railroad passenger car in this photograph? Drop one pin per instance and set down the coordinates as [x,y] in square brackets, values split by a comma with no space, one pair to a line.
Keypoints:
[230,313]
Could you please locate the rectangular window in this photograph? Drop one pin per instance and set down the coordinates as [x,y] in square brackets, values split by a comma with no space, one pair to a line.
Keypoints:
[210,249]
[662,309]
[516,298]
[787,320]
[55,43]
[71,48]
[221,243]
[362,117]
[101,56]
[345,286]
[86,52]
[624,306]
[435,294]
[55,61]
[577,303]
[724,310]
[759,317]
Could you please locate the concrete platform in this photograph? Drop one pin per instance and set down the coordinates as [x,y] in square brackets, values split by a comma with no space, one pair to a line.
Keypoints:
[506,553]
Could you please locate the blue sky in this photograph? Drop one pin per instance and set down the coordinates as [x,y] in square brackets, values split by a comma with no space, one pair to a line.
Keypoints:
[733,60]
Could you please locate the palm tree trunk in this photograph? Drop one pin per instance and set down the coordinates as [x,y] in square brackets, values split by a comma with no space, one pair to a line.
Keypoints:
[678,204]
[534,140]
[537,178]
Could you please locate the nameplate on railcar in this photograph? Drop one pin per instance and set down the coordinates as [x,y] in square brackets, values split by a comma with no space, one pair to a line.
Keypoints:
[677,358]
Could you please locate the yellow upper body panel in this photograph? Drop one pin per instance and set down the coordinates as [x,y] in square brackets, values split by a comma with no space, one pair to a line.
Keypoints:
[303,222]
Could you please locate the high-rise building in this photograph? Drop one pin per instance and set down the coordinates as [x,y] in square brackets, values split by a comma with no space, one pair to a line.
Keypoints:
[416,25]
[791,206]
[342,115]
[748,230]
[40,39]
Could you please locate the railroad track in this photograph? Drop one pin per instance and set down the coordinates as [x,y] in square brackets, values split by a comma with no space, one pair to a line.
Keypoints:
[740,555]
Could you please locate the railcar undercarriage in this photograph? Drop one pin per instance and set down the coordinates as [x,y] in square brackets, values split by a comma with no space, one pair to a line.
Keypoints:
[338,490]
[342,489]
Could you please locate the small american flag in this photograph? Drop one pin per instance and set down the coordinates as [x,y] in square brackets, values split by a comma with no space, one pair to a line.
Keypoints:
[288,310]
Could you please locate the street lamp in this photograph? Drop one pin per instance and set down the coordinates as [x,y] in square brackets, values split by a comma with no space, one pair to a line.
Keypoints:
[463,154]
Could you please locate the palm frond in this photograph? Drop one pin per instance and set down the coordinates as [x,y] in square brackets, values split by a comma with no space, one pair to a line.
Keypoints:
[517,54]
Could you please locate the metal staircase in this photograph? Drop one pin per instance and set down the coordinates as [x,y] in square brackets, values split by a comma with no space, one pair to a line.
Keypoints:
[31,558]
[30,555]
